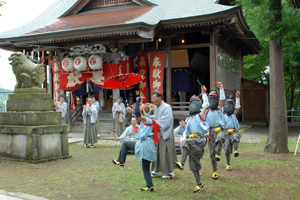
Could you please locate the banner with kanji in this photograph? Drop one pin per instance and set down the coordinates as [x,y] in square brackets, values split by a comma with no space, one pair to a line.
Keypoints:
[142,60]
[157,71]
[71,81]
[73,101]
[56,71]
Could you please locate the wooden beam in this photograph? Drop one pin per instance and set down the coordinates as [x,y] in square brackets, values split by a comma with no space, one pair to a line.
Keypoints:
[190,46]
[168,71]
[178,47]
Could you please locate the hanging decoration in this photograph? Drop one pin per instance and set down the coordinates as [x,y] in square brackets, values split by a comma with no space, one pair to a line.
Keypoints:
[68,64]
[95,62]
[142,70]
[80,63]
[157,71]
[73,101]
[71,81]
[57,72]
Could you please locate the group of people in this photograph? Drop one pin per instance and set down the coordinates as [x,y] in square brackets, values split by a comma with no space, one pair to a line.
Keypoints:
[214,123]
[212,120]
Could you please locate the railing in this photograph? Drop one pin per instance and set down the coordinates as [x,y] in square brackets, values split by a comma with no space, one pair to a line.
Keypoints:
[180,105]
[76,113]
[292,116]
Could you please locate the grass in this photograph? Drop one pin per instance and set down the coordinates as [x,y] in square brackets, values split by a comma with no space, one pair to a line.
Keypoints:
[91,175]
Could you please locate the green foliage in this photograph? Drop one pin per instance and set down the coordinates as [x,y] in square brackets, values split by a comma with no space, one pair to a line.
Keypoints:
[1,4]
[256,65]
[287,30]
[262,11]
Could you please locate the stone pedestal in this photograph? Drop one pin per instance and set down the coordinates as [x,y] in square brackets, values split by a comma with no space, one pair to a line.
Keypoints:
[30,130]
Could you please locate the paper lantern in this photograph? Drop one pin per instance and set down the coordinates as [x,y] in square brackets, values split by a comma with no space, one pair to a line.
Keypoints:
[80,63]
[68,64]
[95,62]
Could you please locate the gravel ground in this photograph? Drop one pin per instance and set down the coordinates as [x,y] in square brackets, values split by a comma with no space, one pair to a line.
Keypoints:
[258,134]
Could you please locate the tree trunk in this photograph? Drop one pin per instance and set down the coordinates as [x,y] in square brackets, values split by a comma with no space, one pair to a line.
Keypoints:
[278,133]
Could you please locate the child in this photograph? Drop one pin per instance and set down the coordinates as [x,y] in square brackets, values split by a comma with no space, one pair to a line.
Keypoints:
[195,142]
[232,135]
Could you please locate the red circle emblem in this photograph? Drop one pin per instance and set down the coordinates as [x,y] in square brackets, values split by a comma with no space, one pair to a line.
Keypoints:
[77,61]
[93,61]
[66,63]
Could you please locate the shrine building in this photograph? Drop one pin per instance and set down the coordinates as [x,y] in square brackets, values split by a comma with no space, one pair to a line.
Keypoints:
[171,43]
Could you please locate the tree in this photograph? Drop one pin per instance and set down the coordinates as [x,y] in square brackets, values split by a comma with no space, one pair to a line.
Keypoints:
[1,4]
[278,23]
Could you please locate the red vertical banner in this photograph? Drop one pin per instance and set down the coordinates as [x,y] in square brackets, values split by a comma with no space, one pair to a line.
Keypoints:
[142,70]
[56,71]
[73,101]
[157,71]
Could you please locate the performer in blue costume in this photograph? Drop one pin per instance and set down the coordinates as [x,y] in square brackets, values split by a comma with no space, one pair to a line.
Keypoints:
[232,135]
[214,117]
[194,144]
[145,149]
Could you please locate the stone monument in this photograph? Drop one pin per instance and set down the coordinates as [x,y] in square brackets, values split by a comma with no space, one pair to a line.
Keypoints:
[30,130]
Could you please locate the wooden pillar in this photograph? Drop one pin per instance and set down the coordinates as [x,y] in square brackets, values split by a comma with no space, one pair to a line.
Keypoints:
[50,74]
[116,95]
[212,60]
[168,71]
[183,98]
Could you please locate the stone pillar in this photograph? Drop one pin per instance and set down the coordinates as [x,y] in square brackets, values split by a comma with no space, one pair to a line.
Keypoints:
[50,74]
[168,71]
[183,97]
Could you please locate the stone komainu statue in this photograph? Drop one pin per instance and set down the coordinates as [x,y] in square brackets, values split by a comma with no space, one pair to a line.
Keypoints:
[28,74]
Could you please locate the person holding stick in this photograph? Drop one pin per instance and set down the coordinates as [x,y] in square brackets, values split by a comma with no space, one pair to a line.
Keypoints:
[145,149]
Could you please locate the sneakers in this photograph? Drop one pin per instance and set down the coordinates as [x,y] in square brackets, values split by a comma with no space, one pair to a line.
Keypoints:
[178,165]
[151,189]
[198,188]
[154,174]
[236,154]
[86,146]
[92,146]
[217,158]
[215,175]
[228,168]
[168,176]
[118,163]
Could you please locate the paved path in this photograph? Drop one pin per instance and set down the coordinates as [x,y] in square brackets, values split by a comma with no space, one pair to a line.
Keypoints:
[18,196]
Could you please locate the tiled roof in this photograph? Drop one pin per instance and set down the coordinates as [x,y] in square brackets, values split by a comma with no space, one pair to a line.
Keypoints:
[57,9]
[91,20]
[164,10]
[176,9]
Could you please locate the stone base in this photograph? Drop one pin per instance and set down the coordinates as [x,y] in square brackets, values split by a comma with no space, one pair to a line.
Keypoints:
[34,147]
[31,131]
[30,118]
[37,161]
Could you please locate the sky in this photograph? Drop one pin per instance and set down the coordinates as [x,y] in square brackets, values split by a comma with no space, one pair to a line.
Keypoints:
[16,13]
